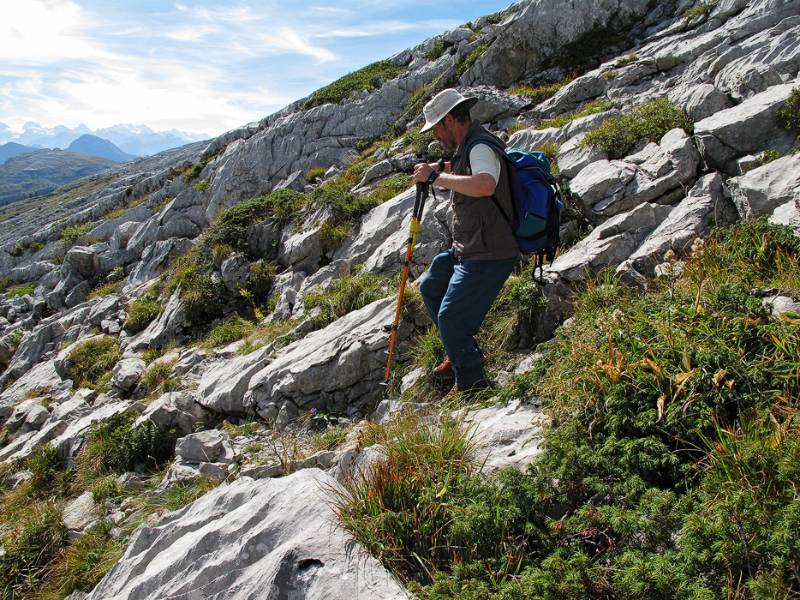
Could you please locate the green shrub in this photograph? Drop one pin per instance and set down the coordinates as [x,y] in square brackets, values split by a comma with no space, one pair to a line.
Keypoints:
[367,78]
[332,234]
[202,185]
[590,109]
[114,446]
[21,247]
[701,10]
[193,172]
[390,187]
[142,311]
[85,561]
[611,74]
[668,464]
[90,361]
[156,374]
[617,136]
[177,496]
[419,141]
[789,113]
[259,284]
[346,206]
[231,330]
[628,59]
[21,290]
[465,63]
[203,295]
[438,49]
[315,173]
[767,157]
[72,233]
[230,226]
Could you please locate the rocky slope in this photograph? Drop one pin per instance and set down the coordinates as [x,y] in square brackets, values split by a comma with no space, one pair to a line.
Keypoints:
[162,237]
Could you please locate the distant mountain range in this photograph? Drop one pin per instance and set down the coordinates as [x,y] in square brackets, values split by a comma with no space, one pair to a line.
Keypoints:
[135,140]
[12,149]
[95,146]
[41,171]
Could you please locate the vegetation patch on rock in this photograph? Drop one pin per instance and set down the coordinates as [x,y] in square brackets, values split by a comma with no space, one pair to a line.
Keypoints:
[367,78]
[89,363]
[618,136]
[670,458]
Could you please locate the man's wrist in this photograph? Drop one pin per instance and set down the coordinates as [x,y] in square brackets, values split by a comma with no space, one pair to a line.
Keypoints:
[441,164]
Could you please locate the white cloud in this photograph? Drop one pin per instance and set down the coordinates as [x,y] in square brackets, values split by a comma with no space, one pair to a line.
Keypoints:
[41,31]
[292,40]
[383,28]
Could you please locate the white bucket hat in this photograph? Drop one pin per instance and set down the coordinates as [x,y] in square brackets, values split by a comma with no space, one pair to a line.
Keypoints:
[442,103]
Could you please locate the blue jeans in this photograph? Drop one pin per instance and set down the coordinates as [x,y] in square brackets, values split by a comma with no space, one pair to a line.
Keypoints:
[457,295]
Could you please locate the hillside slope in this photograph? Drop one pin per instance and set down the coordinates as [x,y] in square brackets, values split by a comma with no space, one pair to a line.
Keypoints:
[192,344]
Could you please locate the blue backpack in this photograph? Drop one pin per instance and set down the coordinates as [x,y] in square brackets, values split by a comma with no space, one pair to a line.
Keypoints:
[536,201]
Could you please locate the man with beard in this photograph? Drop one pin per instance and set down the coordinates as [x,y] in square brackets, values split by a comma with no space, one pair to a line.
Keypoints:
[461,284]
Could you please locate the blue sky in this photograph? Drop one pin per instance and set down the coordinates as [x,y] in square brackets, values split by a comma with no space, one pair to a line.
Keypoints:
[202,67]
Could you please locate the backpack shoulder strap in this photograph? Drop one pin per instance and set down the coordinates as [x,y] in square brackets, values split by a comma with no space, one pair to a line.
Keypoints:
[500,150]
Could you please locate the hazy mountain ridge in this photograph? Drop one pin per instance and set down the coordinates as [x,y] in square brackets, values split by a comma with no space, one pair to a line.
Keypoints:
[92,145]
[41,171]
[136,140]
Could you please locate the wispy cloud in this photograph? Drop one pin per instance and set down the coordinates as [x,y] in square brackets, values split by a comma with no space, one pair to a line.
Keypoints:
[383,28]
[201,66]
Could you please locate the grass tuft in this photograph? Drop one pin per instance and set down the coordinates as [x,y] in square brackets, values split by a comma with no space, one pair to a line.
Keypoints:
[367,78]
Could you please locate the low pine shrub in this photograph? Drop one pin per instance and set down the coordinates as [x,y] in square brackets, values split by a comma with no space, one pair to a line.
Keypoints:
[465,63]
[539,93]
[73,233]
[617,136]
[115,446]
[230,226]
[668,466]
[232,329]
[21,290]
[789,113]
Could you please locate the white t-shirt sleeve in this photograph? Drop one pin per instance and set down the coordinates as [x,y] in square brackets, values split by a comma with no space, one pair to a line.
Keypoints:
[483,159]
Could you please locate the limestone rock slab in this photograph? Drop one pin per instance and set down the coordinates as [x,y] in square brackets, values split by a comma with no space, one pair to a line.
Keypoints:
[266,538]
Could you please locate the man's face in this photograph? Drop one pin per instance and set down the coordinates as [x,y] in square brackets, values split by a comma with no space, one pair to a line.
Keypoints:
[444,133]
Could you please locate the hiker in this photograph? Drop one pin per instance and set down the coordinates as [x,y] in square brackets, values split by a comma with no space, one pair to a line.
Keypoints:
[461,284]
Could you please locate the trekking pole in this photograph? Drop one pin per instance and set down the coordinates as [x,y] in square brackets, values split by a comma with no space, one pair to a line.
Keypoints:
[414,227]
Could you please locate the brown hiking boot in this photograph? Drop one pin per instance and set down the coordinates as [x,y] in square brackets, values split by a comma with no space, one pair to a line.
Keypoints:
[443,374]
[479,385]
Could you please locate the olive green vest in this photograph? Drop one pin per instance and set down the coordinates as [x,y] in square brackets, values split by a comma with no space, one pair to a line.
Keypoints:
[480,232]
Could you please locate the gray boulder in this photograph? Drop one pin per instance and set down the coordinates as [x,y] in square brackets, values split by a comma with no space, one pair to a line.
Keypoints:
[606,188]
[609,243]
[505,435]
[336,369]
[788,213]
[81,260]
[127,373]
[762,190]
[574,156]
[79,514]
[704,207]
[174,409]
[222,387]
[155,258]
[271,538]
[743,129]
[235,270]
[205,446]
[700,101]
